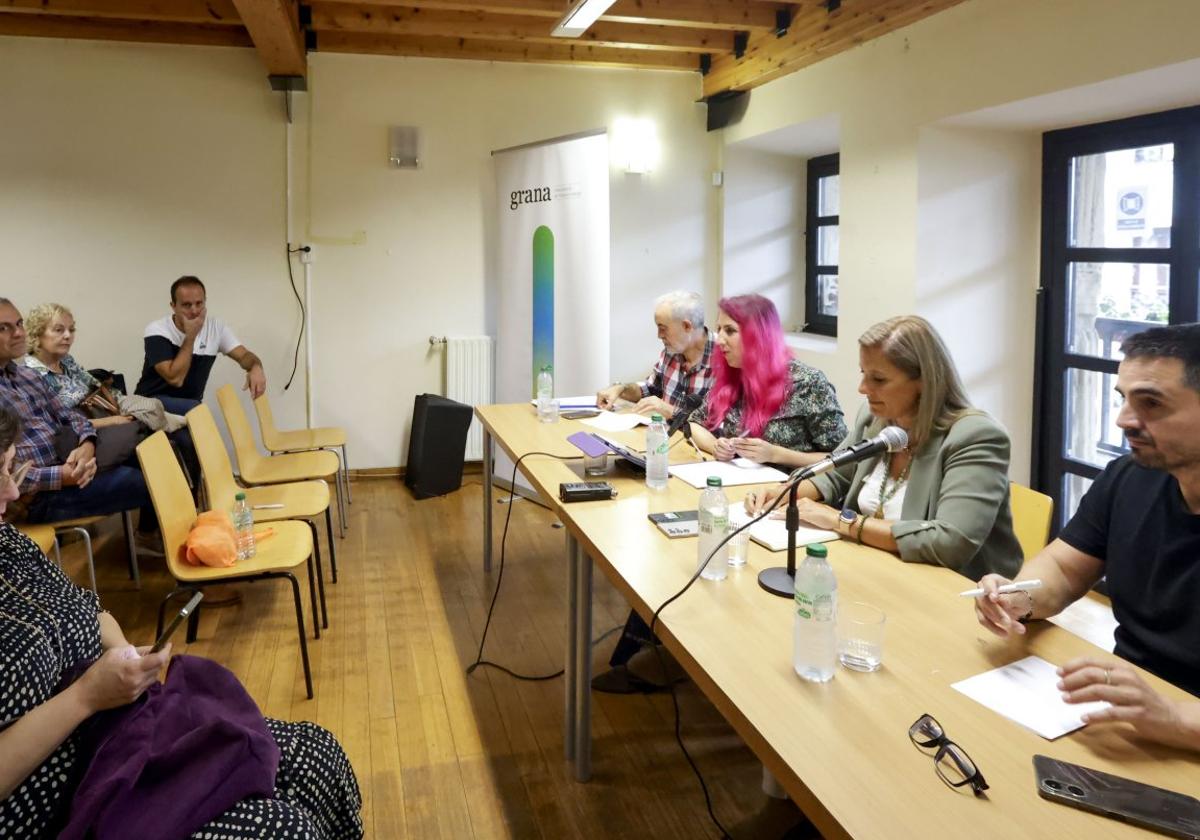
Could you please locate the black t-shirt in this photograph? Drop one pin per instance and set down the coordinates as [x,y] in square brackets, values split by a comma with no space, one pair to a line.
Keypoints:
[162,341]
[1135,520]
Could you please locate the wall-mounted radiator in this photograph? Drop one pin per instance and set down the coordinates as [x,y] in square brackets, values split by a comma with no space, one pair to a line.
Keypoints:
[469,378]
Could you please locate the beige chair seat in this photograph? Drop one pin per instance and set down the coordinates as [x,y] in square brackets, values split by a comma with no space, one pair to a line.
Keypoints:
[298,440]
[294,466]
[300,498]
[42,535]
[287,548]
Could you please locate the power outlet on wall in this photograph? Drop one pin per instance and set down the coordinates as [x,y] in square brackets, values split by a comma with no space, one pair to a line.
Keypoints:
[307,256]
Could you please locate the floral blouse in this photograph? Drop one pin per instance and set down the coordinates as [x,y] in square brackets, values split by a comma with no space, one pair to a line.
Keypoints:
[72,385]
[809,420]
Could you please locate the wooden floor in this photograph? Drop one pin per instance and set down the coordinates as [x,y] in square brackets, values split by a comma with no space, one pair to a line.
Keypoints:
[438,753]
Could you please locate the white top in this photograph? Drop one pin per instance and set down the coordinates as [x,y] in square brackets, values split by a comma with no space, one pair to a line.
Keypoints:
[214,337]
[868,494]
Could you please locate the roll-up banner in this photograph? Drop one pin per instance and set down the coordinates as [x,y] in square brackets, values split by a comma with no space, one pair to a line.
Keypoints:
[552,270]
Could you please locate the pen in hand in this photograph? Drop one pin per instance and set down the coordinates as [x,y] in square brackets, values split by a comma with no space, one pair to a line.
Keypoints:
[1019,586]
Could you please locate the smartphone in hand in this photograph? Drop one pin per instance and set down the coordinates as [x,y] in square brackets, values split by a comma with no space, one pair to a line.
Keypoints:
[176,621]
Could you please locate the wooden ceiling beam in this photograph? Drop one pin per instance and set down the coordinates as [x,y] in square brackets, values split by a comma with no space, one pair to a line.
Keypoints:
[106,29]
[815,34]
[274,26]
[176,11]
[433,47]
[400,20]
[702,14]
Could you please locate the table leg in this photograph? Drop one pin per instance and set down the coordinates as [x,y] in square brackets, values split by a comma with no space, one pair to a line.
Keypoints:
[487,501]
[572,664]
[583,678]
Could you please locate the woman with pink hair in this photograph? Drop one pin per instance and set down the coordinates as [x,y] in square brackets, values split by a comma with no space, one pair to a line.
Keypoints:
[764,405]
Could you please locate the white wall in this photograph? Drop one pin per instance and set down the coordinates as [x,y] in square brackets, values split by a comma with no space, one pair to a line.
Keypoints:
[124,165]
[946,224]
[763,235]
[422,259]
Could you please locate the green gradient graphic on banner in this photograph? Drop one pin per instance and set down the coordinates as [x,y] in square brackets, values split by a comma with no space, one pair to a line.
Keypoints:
[543,303]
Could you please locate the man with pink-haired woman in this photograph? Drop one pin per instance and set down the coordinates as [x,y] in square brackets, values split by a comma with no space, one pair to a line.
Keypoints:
[764,404]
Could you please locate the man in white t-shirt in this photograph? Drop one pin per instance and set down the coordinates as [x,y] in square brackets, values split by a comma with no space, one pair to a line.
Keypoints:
[181,349]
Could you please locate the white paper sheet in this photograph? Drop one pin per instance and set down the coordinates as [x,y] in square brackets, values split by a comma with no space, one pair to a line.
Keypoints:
[696,474]
[567,403]
[1026,691]
[1090,620]
[772,533]
[608,421]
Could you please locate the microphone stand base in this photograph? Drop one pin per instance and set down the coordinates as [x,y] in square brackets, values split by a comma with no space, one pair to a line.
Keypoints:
[777,581]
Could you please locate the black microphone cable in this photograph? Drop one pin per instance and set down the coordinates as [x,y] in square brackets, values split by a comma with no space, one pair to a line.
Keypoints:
[303,313]
[479,660]
[663,665]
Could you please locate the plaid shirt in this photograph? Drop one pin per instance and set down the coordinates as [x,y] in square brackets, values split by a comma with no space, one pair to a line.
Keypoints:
[42,416]
[672,382]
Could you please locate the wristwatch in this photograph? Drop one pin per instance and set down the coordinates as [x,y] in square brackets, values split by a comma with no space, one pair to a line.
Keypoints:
[846,520]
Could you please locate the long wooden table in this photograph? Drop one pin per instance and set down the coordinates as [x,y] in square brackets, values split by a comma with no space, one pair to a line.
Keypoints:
[841,750]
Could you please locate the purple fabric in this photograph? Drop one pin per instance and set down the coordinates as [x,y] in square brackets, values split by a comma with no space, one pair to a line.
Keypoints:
[185,753]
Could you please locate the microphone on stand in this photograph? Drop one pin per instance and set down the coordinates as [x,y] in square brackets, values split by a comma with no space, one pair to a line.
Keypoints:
[781,580]
[679,420]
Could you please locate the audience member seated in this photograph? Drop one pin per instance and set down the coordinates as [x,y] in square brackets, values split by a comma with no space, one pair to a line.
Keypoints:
[51,631]
[58,488]
[181,349]
[51,331]
[944,499]
[1138,527]
[764,405]
[684,369]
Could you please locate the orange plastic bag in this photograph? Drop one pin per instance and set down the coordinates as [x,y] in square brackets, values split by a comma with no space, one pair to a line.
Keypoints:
[212,540]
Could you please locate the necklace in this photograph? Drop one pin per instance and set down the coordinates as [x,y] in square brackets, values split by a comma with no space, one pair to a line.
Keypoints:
[886,493]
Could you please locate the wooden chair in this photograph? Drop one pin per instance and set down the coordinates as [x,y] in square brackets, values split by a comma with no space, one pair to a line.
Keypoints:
[277,557]
[43,536]
[304,500]
[255,468]
[1031,512]
[275,441]
[81,526]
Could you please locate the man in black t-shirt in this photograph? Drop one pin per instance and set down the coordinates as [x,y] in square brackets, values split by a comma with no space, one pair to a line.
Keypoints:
[1139,526]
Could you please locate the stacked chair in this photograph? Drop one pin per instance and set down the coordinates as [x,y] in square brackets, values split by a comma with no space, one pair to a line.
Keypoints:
[277,558]
[256,469]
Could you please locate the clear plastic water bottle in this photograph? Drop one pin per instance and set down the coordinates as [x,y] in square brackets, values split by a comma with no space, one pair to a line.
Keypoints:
[547,408]
[243,524]
[714,525]
[656,453]
[815,652]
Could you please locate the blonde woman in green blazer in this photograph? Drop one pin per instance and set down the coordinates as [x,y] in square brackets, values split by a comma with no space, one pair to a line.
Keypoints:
[943,500]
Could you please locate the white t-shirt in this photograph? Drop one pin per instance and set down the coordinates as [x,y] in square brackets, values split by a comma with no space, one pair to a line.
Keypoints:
[162,341]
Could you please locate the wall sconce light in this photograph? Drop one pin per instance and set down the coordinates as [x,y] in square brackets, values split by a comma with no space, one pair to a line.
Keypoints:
[635,146]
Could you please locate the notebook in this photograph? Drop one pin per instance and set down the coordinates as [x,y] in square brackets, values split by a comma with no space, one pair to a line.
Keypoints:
[772,534]
[677,523]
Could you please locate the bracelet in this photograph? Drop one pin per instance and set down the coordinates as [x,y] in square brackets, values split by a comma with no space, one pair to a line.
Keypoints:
[862,523]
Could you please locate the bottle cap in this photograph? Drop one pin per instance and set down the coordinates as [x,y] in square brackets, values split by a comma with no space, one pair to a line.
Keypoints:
[714,481]
[816,550]
[240,497]
[656,418]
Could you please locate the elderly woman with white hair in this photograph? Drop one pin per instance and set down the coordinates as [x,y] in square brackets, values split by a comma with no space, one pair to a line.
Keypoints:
[683,373]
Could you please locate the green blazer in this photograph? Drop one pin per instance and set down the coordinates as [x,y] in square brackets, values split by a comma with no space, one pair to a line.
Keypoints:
[956,510]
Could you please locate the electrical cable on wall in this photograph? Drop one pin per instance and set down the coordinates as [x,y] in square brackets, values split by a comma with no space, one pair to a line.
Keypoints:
[303,311]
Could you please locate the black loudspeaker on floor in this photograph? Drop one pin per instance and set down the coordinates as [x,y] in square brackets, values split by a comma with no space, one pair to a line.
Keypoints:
[436,446]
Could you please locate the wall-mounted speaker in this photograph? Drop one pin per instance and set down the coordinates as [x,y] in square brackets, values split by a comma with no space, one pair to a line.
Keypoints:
[404,147]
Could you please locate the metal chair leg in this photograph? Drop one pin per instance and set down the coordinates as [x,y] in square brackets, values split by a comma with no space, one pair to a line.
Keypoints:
[346,474]
[312,592]
[300,628]
[134,574]
[57,552]
[87,545]
[320,572]
[332,546]
[341,503]
[193,624]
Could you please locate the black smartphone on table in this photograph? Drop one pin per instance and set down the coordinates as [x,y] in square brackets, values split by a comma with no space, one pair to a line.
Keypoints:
[187,610]
[1164,811]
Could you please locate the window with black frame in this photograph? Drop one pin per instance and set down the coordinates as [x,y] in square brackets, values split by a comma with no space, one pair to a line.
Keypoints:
[1121,254]
[821,247]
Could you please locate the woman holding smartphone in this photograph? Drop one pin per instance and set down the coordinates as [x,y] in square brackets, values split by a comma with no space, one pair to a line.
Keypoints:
[51,629]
